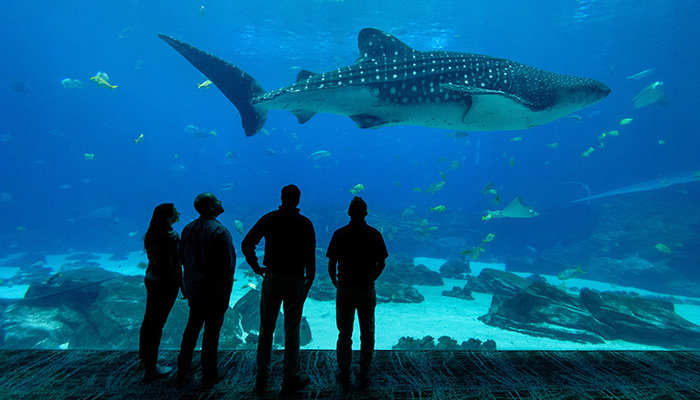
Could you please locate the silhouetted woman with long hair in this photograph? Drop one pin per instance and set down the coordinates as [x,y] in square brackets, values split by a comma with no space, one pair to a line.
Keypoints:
[163,281]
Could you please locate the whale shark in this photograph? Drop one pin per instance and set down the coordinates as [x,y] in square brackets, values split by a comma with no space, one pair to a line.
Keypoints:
[392,84]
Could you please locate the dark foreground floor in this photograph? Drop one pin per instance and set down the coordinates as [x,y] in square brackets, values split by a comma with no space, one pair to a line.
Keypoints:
[398,375]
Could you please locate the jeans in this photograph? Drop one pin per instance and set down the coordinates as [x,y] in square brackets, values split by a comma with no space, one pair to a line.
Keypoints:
[160,298]
[276,289]
[209,314]
[348,299]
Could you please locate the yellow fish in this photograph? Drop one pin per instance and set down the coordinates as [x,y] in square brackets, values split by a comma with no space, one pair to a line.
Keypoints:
[439,208]
[570,273]
[553,145]
[587,152]
[663,248]
[626,121]
[89,156]
[139,139]
[487,217]
[204,84]
[357,189]
[489,238]
[102,82]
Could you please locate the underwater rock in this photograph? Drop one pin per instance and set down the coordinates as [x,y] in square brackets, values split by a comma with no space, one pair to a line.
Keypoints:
[27,326]
[545,311]
[443,343]
[455,269]
[463,293]
[83,257]
[497,282]
[67,266]
[24,260]
[247,316]
[119,256]
[397,272]
[398,293]
[322,290]
[652,322]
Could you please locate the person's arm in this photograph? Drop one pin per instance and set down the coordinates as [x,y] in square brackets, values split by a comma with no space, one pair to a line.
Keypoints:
[311,262]
[250,241]
[332,263]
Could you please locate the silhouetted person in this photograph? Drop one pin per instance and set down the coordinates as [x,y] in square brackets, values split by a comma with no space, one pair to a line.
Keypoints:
[209,260]
[290,268]
[358,251]
[163,281]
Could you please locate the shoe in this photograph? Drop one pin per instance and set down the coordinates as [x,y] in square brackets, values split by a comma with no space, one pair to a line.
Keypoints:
[344,380]
[156,373]
[364,381]
[209,381]
[183,374]
[291,385]
[260,383]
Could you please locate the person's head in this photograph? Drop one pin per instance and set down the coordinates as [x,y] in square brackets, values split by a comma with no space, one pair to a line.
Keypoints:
[207,205]
[164,216]
[291,196]
[357,209]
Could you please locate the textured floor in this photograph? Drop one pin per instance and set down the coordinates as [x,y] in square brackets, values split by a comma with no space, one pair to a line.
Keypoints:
[398,375]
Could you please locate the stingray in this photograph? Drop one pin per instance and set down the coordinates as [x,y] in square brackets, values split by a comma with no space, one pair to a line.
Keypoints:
[659,183]
[652,94]
[516,209]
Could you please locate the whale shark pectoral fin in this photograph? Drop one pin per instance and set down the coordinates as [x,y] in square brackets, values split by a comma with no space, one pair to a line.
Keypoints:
[368,121]
[303,116]
[304,74]
[476,92]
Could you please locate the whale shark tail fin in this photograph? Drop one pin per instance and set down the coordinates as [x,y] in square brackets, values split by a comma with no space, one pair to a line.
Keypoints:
[237,85]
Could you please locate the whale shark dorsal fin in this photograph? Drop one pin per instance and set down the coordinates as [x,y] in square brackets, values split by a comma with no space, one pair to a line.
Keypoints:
[304,74]
[374,43]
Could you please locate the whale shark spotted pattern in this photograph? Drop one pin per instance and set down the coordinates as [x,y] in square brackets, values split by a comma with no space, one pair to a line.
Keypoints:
[394,84]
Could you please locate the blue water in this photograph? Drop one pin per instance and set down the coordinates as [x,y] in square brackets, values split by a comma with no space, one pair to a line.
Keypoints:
[55,200]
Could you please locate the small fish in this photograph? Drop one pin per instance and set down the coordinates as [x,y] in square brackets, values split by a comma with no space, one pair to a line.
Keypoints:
[201,11]
[662,142]
[134,233]
[357,189]
[417,189]
[487,188]
[626,121]
[602,136]
[442,176]
[89,156]
[454,165]
[100,81]
[435,187]
[570,273]
[408,212]
[512,161]
[612,133]
[204,84]
[139,139]
[250,285]
[574,117]
[487,217]
[553,145]
[663,248]
[239,227]
[643,74]
[587,152]
[320,154]
[231,155]
[439,208]
[489,238]
[516,139]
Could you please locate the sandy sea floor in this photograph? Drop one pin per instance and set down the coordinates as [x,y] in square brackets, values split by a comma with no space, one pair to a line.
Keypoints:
[437,316]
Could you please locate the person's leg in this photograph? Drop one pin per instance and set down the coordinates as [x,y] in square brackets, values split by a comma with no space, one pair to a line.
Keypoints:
[189,337]
[160,299]
[367,302]
[269,309]
[213,320]
[345,318]
[293,308]
[146,326]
